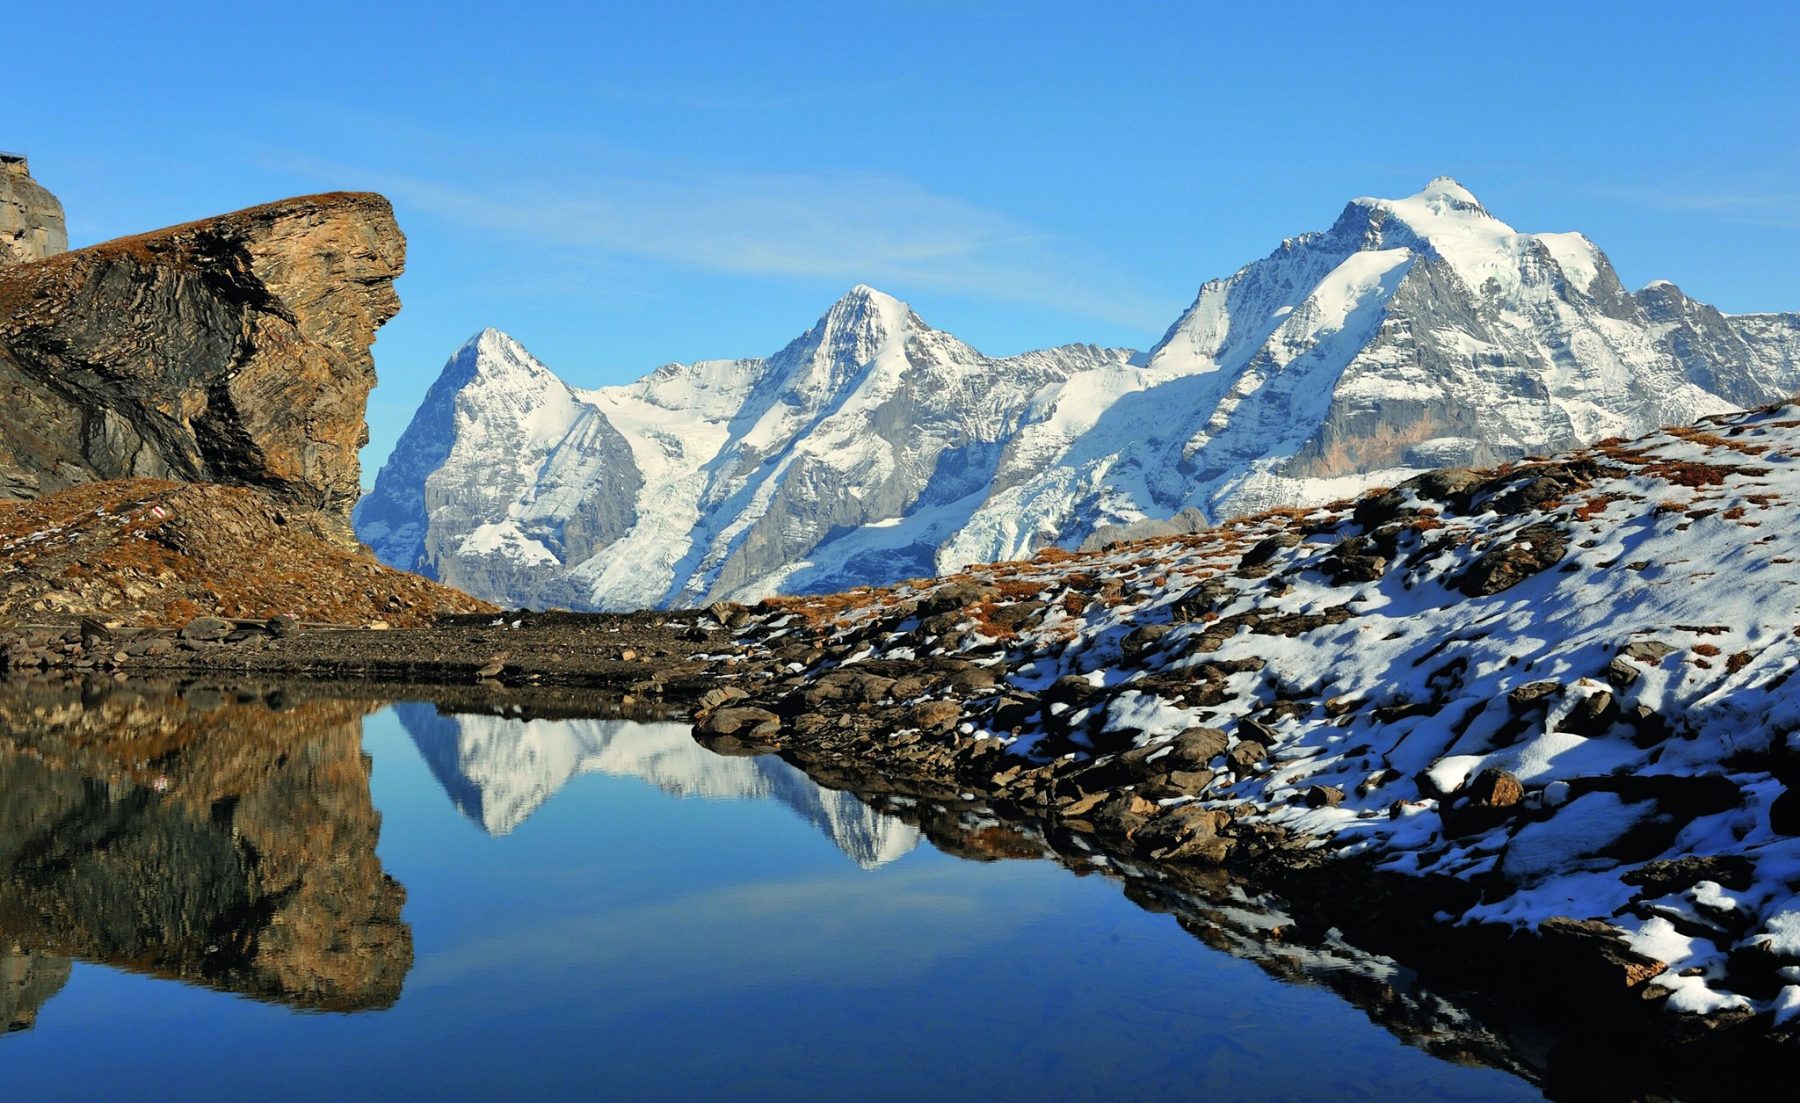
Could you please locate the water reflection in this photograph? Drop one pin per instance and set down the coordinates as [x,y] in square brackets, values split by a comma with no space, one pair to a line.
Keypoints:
[499,770]
[216,840]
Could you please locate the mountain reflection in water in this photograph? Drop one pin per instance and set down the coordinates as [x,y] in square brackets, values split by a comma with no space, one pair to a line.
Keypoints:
[210,839]
[499,770]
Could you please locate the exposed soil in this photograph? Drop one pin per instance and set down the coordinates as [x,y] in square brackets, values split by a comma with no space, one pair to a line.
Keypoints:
[148,553]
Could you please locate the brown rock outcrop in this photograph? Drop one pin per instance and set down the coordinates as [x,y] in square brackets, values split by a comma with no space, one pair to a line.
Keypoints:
[31,219]
[148,552]
[231,350]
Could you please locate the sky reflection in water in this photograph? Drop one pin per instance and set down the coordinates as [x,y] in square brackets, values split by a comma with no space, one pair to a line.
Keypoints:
[622,942]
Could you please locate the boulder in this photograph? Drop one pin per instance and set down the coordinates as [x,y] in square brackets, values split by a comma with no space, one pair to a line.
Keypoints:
[1533,549]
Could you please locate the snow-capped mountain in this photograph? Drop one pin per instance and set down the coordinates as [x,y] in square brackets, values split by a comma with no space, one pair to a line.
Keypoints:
[498,771]
[1415,333]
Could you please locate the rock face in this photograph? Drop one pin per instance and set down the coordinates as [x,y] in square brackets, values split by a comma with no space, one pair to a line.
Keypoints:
[1415,333]
[31,219]
[232,350]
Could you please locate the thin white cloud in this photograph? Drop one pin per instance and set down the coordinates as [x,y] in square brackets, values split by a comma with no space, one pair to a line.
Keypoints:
[852,227]
[1780,210]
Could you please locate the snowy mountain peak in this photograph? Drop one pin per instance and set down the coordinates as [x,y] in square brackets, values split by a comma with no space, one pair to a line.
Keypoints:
[1414,333]
[863,315]
[1449,195]
[493,354]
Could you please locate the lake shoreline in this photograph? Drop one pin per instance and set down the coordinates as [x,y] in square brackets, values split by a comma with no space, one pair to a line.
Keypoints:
[1567,1008]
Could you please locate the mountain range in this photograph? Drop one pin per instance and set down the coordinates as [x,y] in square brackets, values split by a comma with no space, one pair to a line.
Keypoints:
[1415,333]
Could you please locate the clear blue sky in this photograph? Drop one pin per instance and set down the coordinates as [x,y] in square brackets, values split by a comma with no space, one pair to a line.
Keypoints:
[620,185]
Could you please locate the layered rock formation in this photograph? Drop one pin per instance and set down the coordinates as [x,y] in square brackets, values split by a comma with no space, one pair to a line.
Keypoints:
[219,842]
[31,219]
[234,350]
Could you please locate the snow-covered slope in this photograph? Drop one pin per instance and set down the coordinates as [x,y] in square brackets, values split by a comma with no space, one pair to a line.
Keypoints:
[1566,684]
[1415,333]
[499,771]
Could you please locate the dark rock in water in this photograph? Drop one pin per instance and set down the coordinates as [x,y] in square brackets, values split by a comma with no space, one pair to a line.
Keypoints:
[234,350]
[744,721]
[1534,549]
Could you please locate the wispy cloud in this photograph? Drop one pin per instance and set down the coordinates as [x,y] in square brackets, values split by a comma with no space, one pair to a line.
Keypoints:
[1778,209]
[849,226]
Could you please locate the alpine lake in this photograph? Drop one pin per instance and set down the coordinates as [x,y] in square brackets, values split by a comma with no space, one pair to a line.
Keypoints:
[276,893]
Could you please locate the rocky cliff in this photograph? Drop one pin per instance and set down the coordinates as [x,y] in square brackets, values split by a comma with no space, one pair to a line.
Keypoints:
[233,350]
[31,219]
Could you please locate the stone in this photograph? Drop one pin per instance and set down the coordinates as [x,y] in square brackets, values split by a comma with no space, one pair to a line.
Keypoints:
[1784,812]
[936,716]
[721,695]
[1185,833]
[1144,639]
[1324,796]
[1244,757]
[1670,875]
[1591,716]
[207,629]
[1591,952]
[1207,597]
[741,722]
[1198,746]
[956,596]
[1494,788]
[1189,781]
[1533,549]
[1532,694]
[232,350]
[1268,547]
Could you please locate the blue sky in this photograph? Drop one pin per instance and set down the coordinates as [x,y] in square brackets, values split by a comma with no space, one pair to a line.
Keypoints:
[620,185]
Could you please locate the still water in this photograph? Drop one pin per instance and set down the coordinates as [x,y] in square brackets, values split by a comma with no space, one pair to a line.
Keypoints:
[206,897]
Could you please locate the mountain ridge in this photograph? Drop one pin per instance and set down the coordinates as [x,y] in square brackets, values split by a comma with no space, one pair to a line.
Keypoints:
[1413,333]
